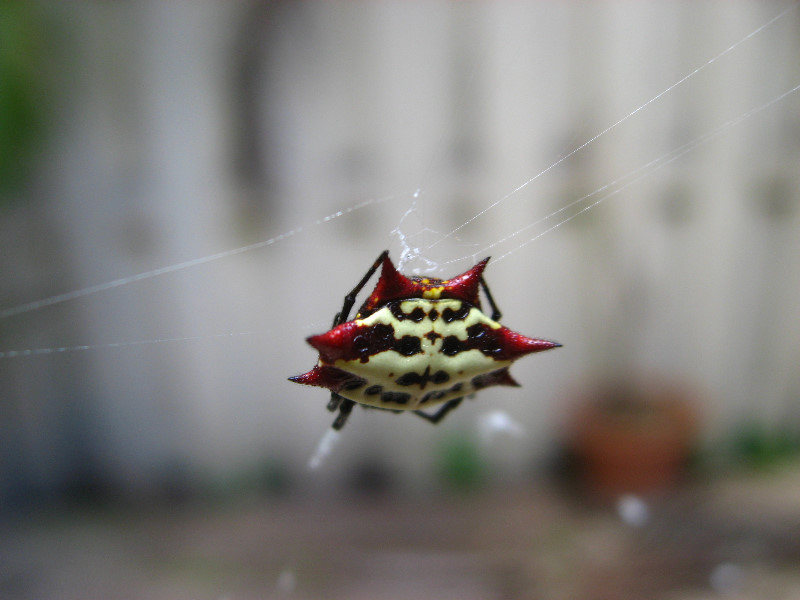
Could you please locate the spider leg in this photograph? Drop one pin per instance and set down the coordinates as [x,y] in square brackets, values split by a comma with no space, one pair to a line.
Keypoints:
[440,414]
[334,402]
[345,408]
[350,299]
[496,314]
[337,402]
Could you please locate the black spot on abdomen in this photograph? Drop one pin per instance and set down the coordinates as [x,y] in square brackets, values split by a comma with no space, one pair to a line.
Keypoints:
[440,377]
[408,345]
[451,345]
[395,397]
[410,379]
[449,315]
[422,380]
[354,383]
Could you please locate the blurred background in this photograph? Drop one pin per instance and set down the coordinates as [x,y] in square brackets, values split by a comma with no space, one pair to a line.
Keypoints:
[189,189]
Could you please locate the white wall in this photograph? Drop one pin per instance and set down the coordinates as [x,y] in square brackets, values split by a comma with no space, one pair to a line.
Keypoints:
[690,269]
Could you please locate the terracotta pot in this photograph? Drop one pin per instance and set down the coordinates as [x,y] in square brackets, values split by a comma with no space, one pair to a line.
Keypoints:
[632,439]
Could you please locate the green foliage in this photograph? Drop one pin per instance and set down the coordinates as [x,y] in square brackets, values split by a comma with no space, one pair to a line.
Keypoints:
[23,68]
[761,447]
[461,466]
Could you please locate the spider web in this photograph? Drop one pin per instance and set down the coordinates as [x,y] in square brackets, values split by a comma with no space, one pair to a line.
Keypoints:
[437,249]
[571,209]
[414,250]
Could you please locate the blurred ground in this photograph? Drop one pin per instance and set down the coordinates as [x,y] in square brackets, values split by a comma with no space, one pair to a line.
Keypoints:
[734,538]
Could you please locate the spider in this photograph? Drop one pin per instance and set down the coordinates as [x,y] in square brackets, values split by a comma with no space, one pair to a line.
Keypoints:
[415,343]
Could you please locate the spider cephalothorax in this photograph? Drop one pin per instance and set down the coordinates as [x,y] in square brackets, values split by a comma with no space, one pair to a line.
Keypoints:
[415,343]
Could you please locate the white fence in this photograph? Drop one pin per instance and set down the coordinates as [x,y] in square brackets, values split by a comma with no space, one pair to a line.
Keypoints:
[188,129]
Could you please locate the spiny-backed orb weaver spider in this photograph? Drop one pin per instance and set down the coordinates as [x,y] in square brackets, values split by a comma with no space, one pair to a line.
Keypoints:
[415,343]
